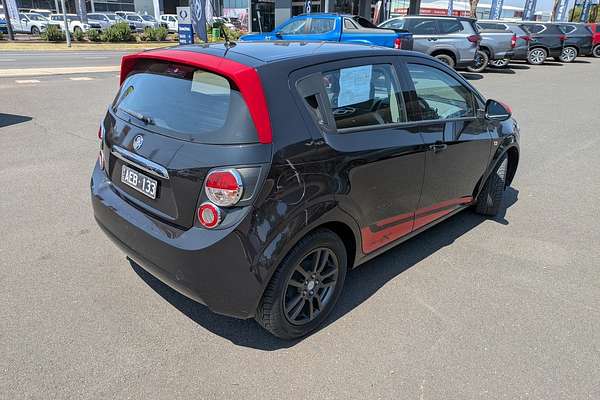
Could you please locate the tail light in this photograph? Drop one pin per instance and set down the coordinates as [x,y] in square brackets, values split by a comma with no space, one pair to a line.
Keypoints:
[474,38]
[224,187]
[563,38]
[526,38]
[209,215]
[101,154]
[397,43]
[513,41]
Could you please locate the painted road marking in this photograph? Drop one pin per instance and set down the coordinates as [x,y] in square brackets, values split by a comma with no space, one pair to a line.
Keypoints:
[82,78]
[95,58]
[8,59]
[18,72]
[27,81]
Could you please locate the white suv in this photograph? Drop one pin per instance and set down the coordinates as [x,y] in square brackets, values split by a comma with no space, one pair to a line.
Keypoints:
[30,23]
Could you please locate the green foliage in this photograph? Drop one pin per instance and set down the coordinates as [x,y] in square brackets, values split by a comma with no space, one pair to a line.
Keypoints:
[1,36]
[154,34]
[232,34]
[119,32]
[53,34]
[94,35]
[78,35]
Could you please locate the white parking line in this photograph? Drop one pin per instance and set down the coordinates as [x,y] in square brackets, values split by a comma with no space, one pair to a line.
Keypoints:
[21,72]
[8,59]
[95,58]
[82,78]
[27,81]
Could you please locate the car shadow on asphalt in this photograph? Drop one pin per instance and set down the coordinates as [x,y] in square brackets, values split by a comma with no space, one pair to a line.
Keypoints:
[12,119]
[508,71]
[514,66]
[471,76]
[361,283]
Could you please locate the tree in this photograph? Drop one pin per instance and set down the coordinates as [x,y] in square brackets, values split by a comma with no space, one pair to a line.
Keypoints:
[473,7]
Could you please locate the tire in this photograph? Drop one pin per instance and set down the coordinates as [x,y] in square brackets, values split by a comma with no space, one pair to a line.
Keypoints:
[481,62]
[537,56]
[294,291]
[446,59]
[569,54]
[501,63]
[76,29]
[490,198]
[35,30]
[596,51]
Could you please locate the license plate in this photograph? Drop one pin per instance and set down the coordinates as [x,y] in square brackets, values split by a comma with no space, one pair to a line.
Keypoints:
[139,182]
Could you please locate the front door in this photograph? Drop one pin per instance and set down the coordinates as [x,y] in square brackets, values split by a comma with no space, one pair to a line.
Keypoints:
[457,137]
[378,162]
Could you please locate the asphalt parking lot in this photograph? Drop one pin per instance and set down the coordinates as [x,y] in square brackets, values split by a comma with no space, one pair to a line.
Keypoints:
[472,309]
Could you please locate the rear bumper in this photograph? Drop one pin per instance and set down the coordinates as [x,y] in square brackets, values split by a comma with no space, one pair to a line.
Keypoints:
[209,266]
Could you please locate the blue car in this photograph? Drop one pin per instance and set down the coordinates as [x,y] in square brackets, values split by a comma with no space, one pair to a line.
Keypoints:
[335,28]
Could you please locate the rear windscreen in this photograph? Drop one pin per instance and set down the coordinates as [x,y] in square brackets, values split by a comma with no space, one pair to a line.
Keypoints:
[185,102]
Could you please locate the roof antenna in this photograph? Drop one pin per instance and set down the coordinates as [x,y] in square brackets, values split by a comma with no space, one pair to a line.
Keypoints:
[228,44]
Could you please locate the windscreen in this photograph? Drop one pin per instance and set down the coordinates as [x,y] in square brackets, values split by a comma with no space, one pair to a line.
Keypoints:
[185,102]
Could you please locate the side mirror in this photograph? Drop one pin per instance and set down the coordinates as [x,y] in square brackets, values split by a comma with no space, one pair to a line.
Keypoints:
[24,20]
[497,111]
[279,34]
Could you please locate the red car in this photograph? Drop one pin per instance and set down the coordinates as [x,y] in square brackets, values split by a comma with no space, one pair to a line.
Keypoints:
[595,27]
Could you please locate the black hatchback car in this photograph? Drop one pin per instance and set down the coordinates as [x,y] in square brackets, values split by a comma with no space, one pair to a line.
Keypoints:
[252,177]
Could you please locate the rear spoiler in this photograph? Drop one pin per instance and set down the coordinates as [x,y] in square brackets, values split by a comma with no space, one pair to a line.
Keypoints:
[245,78]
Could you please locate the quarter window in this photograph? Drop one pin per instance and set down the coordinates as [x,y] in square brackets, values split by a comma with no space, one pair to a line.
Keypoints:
[362,96]
[348,24]
[439,95]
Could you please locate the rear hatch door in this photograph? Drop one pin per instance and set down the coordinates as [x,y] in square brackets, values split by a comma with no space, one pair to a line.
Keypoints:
[170,124]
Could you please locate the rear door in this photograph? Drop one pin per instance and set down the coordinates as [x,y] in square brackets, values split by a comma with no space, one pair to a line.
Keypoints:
[379,163]
[170,124]
[456,135]
[425,34]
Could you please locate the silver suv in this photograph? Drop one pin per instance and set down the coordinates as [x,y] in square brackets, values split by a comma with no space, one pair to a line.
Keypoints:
[452,40]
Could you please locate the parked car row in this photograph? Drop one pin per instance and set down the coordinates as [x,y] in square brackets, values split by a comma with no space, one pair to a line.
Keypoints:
[36,22]
[499,41]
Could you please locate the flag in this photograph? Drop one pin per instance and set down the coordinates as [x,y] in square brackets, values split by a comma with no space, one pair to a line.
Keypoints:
[199,18]
[585,11]
[496,9]
[450,7]
[561,10]
[529,10]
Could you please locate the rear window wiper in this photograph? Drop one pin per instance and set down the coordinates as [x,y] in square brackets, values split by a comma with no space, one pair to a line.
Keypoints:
[144,118]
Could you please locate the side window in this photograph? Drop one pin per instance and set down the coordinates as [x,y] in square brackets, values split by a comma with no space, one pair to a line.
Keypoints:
[397,23]
[439,95]
[448,26]
[349,24]
[321,25]
[294,27]
[172,19]
[423,27]
[569,29]
[362,96]
[533,28]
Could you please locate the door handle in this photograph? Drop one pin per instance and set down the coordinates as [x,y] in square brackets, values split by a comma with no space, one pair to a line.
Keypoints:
[431,39]
[438,147]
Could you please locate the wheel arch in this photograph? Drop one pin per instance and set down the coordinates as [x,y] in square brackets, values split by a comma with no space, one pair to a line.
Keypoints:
[512,152]
[488,50]
[447,52]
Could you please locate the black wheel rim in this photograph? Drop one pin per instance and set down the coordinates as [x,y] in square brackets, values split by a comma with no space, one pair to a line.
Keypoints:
[310,287]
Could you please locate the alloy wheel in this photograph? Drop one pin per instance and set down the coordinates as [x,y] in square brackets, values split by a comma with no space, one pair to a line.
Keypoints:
[596,51]
[537,56]
[503,62]
[310,287]
[568,54]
